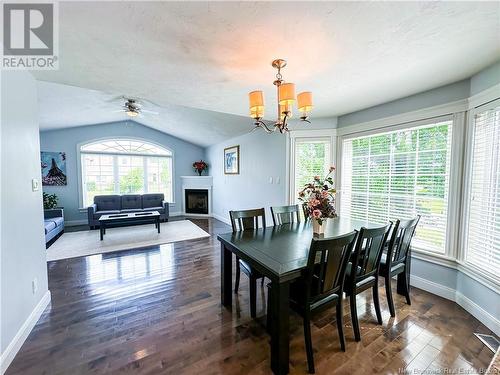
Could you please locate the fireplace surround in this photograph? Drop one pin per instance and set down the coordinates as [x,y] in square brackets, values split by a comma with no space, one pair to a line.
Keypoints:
[197,196]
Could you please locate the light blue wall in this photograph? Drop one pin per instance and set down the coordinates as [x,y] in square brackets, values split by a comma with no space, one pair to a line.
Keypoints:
[485,79]
[262,156]
[441,95]
[67,140]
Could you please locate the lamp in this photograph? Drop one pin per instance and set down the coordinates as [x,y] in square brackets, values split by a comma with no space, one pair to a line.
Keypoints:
[285,99]
[304,103]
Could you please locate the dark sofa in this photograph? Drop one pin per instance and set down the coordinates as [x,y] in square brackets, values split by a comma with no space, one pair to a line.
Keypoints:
[53,223]
[115,204]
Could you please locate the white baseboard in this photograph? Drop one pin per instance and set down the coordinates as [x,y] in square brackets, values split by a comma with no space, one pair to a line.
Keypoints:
[174,214]
[451,294]
[222,218]
[21,335]
[479,313]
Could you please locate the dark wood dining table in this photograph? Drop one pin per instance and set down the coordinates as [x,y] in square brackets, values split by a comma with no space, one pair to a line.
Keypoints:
[280,254]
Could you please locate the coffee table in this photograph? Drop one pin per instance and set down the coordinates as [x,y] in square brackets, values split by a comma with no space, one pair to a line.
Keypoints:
[106,221]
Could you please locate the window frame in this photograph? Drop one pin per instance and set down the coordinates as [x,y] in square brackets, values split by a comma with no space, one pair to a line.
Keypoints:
[467,184]
[457,125]
[297,136]
[80,153]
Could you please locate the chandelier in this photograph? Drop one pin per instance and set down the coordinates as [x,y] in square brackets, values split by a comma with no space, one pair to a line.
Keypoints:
[285,98]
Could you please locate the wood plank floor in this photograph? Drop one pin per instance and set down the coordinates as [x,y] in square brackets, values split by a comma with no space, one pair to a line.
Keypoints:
[157,311]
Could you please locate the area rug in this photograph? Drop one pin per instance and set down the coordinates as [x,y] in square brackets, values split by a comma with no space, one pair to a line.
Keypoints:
[77,244]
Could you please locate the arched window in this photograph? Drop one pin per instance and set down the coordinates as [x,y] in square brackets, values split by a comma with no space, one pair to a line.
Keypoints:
[125,166]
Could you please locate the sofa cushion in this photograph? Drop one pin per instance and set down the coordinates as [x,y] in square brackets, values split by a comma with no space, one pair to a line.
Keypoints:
[131,210]
[131,201]
[152,200]
[58,221]
[107,202]
[159,209]
[49,225]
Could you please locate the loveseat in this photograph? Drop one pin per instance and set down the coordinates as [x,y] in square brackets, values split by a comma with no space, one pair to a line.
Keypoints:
[53,223]
[116,204]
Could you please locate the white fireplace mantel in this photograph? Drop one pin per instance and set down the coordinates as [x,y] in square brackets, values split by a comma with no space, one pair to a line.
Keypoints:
[197,182]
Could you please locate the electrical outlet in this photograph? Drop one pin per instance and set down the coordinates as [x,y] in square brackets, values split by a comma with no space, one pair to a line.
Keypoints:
[278,180]
[35,184]
[34,285]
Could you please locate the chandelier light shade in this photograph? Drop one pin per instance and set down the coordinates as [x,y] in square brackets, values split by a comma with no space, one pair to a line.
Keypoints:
[256,100]
[304,101]
[286,93]
[285,101]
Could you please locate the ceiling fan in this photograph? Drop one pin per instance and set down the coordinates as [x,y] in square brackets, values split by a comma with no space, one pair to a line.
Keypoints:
[133,107]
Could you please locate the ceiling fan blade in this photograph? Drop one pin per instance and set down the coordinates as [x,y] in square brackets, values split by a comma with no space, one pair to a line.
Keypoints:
[150,112]
[117,111]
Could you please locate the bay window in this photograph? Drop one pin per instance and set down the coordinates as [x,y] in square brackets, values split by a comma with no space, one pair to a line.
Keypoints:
[482,245]
[398,174]
[125,166]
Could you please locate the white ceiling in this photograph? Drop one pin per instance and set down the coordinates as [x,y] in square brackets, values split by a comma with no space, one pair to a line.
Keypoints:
[352,55]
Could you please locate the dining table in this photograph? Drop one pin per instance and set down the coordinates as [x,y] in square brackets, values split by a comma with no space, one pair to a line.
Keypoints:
[280,254]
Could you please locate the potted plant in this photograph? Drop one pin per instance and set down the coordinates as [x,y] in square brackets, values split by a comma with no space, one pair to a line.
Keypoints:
[49,201]
[200,166]
[318,198]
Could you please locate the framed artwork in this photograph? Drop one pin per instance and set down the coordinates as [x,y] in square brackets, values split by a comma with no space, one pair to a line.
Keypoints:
[232,160]
[53,168]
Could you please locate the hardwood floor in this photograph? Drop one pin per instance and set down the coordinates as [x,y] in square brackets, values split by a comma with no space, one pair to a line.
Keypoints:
[157,311]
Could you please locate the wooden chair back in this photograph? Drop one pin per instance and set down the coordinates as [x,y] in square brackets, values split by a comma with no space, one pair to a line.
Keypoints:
[247,219]
[285,214]
[368,252]
[327,264]
[400,240]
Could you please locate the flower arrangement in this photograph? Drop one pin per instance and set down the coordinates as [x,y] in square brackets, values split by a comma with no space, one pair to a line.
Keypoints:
[318,198]
[49,201]
[200,166]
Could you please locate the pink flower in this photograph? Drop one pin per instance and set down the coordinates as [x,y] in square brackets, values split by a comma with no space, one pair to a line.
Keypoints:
[316,214]
[316,178]
[324,194]
[314,202]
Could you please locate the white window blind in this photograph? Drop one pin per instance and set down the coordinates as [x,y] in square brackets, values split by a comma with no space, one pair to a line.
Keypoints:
[397,175]
[483,232]
[312,158]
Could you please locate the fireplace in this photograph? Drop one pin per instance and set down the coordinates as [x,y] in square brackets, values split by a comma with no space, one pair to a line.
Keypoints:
[196,201]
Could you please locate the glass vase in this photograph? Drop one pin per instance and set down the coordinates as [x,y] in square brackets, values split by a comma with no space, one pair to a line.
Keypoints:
[318,229]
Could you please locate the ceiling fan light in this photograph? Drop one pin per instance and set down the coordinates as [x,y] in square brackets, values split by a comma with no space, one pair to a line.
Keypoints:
[286,93]
[132,113]
[304,101]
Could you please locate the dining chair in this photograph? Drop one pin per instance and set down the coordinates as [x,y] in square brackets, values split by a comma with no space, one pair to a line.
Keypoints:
[397,259]
[240,221]
[322,284]
[305,211]
[285,214]
[362,272]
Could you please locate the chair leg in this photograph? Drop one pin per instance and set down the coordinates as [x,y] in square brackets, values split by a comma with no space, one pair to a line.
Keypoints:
[308,340]
[237,281]
[407,288]
[340,324]
[354,316]
[376,301]
[388,292]
[253,297]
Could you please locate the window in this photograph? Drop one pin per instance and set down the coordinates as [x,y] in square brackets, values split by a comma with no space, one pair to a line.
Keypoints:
[312,158]
[399,174]
[125,166]
[483,221]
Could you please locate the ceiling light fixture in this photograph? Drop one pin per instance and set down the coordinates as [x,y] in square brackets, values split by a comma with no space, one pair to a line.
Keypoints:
[286,99]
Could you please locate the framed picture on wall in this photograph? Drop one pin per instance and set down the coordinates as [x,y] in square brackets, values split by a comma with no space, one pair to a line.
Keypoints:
[232,160]
[53,168]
